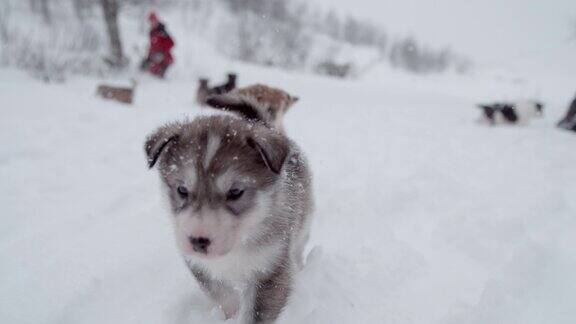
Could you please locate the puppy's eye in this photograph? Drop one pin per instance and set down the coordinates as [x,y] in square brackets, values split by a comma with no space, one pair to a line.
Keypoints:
[182,191]
[234,194]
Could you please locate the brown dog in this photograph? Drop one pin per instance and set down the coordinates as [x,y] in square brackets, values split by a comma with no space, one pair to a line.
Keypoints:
[120,94]
[259,102]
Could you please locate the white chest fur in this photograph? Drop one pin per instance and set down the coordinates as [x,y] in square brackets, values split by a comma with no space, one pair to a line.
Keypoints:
[240,266]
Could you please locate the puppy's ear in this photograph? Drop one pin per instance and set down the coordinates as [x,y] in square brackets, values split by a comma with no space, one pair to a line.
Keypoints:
[235,103]
[158,141]
[272,147]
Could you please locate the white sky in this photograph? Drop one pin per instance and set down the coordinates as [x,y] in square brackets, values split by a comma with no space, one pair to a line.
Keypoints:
[490,31]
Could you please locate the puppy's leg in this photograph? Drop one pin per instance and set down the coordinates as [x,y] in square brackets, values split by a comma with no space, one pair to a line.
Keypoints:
[225,296]
[263,302]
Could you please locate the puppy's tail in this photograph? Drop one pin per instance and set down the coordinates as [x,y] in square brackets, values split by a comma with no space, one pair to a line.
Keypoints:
[244,106]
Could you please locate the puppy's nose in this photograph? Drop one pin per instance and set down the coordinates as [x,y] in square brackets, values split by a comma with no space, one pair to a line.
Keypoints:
[199,244]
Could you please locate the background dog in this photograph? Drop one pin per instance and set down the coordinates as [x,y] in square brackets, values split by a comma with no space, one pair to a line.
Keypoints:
[511,113]
[241,205]
[257,101]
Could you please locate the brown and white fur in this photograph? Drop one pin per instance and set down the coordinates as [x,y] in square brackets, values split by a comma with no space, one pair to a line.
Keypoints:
[241,204]
[120,94]
[271,103]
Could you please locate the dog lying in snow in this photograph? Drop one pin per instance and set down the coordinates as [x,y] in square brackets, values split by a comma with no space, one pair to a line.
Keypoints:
[512,113]
[241,206]
[204,90]
[120,94]
[258,102]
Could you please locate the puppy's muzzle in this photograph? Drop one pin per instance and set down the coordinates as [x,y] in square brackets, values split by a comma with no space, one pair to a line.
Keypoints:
[200,244]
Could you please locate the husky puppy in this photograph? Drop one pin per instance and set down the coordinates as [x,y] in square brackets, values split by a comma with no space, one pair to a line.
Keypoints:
[271,104]
[241,205]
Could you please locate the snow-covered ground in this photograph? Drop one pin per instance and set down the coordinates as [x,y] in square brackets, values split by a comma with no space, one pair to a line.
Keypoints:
[423,215]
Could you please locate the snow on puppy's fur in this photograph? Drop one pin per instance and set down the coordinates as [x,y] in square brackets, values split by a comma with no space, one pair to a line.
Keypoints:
[240,200]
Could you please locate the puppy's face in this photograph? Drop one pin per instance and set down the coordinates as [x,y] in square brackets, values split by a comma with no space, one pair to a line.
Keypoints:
[219,174]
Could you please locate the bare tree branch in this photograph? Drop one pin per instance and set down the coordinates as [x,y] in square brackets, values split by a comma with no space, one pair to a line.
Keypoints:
[46,13]
[110,10]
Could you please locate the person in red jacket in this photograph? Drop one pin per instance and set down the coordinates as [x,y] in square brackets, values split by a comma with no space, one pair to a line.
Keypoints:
[159,56]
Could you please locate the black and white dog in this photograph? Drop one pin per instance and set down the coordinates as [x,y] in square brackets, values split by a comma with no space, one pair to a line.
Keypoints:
[241,202]
[511,113]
